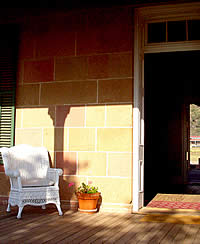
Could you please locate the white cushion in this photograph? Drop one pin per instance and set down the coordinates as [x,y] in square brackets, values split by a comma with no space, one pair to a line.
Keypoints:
[37,183]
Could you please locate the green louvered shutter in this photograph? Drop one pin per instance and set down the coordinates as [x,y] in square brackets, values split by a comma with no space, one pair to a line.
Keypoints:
[8,43]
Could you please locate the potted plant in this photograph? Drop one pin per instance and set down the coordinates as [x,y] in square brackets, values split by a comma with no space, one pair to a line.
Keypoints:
[87,198]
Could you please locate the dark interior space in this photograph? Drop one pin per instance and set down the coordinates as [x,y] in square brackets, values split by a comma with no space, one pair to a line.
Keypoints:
[172,82]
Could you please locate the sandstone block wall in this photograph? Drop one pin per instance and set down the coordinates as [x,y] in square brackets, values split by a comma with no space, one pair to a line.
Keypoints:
[74,96]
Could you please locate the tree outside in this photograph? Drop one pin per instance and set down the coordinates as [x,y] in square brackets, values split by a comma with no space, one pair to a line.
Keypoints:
[194,120]
[194,131]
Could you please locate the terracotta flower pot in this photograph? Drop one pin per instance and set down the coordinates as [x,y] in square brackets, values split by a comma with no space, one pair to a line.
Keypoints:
[88,202]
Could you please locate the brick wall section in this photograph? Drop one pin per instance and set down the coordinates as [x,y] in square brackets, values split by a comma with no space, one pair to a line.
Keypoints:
[74,96]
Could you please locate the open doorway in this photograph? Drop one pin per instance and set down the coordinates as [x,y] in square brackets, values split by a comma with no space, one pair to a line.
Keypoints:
[171,85]
[193,186]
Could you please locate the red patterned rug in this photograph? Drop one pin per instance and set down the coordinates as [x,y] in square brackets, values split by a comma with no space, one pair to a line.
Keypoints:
[175,201]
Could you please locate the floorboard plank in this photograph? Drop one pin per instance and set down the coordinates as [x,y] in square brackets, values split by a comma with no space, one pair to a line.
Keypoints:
[145,229]
[196,237]
[181,235]
[191,233]
[46,226]
[88,232]
[68,229]
[126,227]
[18,232]
[104,234]
[111,227]
[10,223]
[153,230]
[132,233]
[101,227]
[171,234]
[53,228]
[166,228]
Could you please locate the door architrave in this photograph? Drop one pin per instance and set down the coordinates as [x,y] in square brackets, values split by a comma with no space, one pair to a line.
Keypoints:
[143,16]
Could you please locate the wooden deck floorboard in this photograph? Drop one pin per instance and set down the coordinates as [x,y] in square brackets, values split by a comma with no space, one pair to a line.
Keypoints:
[88,232]
[46,226]
[160,235]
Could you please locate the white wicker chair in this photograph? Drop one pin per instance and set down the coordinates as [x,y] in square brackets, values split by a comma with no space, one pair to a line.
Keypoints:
[32,181]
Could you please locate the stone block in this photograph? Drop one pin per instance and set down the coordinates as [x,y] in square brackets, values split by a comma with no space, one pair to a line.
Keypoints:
[114,139]
[69,92]
[92,163]
[81,139]
[116,90]
[38,71]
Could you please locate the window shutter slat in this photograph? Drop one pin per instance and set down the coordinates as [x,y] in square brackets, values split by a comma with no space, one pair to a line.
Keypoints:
[8,57]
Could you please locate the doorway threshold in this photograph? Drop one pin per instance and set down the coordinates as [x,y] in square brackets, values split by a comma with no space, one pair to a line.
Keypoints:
[149,210]
[173,203]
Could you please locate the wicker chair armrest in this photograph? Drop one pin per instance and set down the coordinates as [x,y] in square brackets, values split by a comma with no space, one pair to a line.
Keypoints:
[53,174]
[55,171]
[15,182]
[12,173]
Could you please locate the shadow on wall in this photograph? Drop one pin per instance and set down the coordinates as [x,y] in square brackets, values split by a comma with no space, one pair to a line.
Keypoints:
[69,133]
[65,159]
[111,120]
[62,158]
